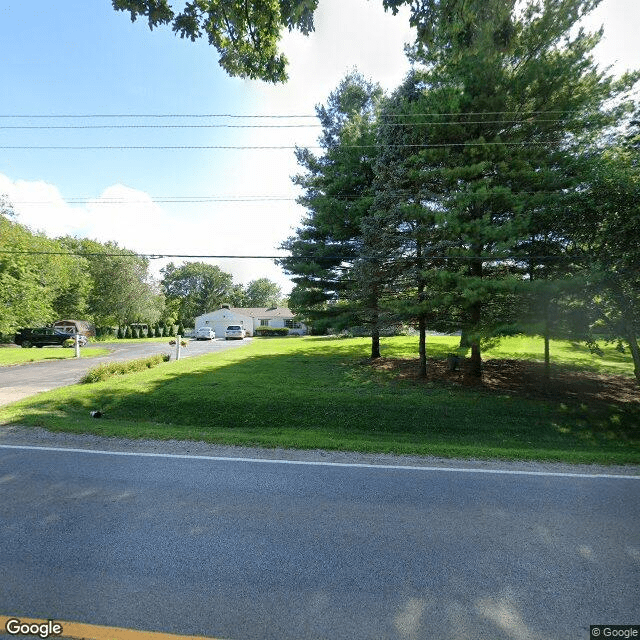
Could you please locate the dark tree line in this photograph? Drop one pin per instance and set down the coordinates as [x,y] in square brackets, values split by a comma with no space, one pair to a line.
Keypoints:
[44,279]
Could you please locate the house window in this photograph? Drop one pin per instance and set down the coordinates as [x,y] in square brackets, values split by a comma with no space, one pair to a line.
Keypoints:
[291,324]
[264,323]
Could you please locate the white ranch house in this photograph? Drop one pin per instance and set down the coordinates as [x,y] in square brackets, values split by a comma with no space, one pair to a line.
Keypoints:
[250,319]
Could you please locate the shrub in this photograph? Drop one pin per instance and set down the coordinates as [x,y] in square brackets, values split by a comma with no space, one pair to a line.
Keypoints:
[120,333]
[135,332]
[105,371]
[181,329]
[127,333]
[158,331]
[271,331]
[172,330]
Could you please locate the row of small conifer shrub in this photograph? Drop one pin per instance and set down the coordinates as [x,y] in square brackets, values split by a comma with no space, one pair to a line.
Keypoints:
[152,331]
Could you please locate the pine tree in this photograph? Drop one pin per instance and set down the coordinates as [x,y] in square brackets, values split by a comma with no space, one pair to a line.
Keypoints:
[504,100]
[338,194]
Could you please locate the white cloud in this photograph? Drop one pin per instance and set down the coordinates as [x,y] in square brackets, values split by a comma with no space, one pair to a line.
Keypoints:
[131,218]
[39,206]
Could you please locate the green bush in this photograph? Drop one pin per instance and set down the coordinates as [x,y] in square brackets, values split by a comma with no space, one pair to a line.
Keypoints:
[127,333]
[271,331]
[172,330]
[104,333]
[181,329]
[120,333]
[105,371]
[158,331]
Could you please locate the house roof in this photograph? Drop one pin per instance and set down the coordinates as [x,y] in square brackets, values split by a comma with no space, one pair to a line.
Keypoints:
[263,312]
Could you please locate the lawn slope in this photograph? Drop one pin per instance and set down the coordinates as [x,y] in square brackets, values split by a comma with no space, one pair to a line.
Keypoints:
[323,393]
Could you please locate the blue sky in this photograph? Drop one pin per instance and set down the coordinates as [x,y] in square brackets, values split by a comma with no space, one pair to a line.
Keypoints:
[82,58]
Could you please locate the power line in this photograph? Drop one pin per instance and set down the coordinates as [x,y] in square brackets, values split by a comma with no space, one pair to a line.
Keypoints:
[267,147]
[186,199]
[162,126]
[177,200]
[262,126]
[304,115]
[157,115]
[425,258]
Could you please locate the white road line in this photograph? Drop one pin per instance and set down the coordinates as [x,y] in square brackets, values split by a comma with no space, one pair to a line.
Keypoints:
[311,463]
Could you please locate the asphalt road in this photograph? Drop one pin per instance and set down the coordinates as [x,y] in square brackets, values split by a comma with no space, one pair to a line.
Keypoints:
[21,381]
[253,549]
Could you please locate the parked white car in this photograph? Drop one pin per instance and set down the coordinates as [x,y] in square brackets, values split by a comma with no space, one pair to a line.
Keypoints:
[234,332]
[205,333]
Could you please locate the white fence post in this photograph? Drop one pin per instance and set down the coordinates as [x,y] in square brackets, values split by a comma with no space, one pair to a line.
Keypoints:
[178,338]
[76,340]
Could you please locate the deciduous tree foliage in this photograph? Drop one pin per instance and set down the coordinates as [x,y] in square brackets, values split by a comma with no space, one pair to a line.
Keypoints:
[36,285]
[121,290]
[607,234]
[262,293]
[197,288]
[245,34]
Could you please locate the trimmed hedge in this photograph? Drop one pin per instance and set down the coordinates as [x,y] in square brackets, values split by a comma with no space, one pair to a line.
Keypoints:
[271,331]
[105,371]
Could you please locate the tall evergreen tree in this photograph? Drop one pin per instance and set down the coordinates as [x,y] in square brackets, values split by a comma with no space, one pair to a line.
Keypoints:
[338,194]
[505,96]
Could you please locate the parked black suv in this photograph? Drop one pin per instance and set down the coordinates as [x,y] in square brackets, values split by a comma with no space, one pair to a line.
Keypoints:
[40,337]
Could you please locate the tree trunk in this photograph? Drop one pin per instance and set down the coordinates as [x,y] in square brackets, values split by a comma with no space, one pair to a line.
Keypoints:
[475,369]
[475,365]
[547,362]
[422,328]
[375,322]
[629,328]
[375,341]
[422,322]
[632,341]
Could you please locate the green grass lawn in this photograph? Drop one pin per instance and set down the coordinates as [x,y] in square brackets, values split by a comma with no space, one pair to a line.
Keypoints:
[562,352]
[10,355]
[320,393]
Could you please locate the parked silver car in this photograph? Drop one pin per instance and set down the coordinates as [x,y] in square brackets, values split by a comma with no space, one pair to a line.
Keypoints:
[205,333]
[234,332]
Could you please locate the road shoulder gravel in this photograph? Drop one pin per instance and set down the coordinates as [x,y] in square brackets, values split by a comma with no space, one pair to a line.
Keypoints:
[39,437]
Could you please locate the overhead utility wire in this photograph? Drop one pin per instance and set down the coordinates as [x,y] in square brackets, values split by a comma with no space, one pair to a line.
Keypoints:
[259,126]
[257,198]
[155,256]
[266,147]
[232,115]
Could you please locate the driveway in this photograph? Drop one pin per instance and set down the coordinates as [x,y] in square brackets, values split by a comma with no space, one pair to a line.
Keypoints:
[21,381]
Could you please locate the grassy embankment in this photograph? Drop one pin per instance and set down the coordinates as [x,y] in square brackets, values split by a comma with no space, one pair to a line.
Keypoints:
[321,393]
